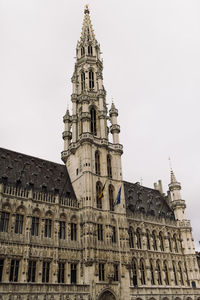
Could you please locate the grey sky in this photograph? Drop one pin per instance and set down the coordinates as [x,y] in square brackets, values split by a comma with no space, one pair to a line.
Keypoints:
[151,53]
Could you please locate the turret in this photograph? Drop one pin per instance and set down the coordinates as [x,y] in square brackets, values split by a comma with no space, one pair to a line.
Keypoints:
[177,204]
[67,135]
[114,128]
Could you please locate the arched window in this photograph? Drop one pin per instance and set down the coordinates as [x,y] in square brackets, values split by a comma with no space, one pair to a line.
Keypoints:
[131,241]
[148,240]
[4,221]
[90,50]
[170,242]
[165,268]
[100,232]
[152,273]
[142,272]
[48,224]
[175,275]
[138,238]
[82,81]
[180,273]
[98,194]
[82,51]
[158,268]
[97,162]
[175,243]
[19,220]
[161,241]
[111,197]
[93,126]
[109,166]
[135,271]
[91,80]
[154,240]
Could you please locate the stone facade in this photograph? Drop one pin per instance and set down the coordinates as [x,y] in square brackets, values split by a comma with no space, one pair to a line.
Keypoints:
[78,231]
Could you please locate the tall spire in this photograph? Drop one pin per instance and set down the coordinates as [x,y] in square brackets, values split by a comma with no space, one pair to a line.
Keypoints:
[87,33]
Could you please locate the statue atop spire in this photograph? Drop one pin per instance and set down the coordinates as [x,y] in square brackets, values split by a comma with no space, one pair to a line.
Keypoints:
[86,11]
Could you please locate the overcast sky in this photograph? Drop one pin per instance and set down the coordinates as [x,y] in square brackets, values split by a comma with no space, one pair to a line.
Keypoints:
[151,53]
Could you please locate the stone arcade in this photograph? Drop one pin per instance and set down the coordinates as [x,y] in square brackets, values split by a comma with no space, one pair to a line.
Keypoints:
[62,240]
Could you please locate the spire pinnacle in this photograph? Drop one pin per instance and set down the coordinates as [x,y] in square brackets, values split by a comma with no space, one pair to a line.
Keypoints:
[87,34]
[86,10]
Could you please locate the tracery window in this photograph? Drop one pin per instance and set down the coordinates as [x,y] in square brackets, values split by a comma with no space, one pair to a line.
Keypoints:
[45,271]
[4,221]
[159,272]
[19,219]
[47,228]
[152,273]
[98,194]
[174,271]
[109,166]
[142,272]
[101,272]
[93,126]
[161,241]
[97,162]
[148,239]
[35,226]
[138,238]
[62,226]
[14,270]
[165,268]
[91,80]
[73,273]
[90,50]
[82,81]
[61,272]
[113,237]
[116,272]
[154,240]
[73,231]
[135,272]
[31,270]
[111,197]
[131,240]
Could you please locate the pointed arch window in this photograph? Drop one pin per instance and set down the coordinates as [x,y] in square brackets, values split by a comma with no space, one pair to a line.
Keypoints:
[148,240]
[97,162]
[93,125]
[152,273]
[135,271]
[82,51]
[111,197]
[109,166]
[159,272]
[138,237]
[170,242]
[161,241]
[131,240]
[165,268]
[82,81]
[142,272]
[174,271]
[4,221]
[91,80]
[180,273]
[154,240]
[98,194]
[90,50]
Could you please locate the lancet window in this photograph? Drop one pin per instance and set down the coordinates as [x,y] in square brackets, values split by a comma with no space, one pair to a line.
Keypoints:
[97,162]
[90,50]
[142,272]
[174,271]
[82,51]
[19,220]
[180,273]
[158,267]
[152,273]
[175,243]
[154,240]
[161,241]
[111,197]
[131,240]
[4,221]
[165,269]
[82,81]
[170,242]
[135,272]
[93,125]
[148,239]
[109,166]
[91,80]
[99,194]
[138,238]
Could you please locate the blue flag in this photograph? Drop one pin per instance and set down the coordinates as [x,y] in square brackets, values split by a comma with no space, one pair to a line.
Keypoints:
[118,197]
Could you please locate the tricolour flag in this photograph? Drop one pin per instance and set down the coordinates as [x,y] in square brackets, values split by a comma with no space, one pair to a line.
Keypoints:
[101,195]
[118,197]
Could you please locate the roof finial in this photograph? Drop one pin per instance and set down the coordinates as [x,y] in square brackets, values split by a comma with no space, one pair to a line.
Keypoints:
[170,163]
[86,11]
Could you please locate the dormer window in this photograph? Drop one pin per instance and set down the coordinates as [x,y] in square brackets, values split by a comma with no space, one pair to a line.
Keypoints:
[89,50]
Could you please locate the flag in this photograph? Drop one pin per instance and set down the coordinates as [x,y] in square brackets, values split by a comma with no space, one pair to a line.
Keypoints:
[118,197]
[101,193]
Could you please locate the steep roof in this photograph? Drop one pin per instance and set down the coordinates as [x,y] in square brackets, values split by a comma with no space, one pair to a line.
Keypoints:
[140,199]
[28,171]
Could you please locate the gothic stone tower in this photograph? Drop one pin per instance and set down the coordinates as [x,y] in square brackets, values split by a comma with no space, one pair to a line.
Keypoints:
[94,164]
